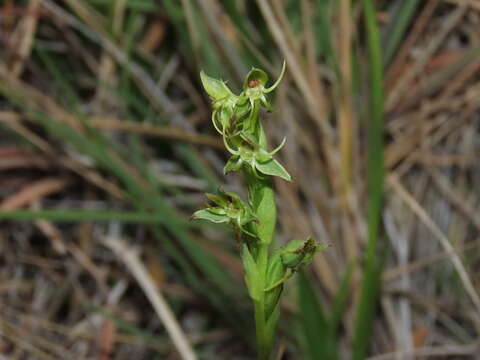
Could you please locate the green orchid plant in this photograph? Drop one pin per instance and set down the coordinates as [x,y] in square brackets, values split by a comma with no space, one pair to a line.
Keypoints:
[237,119]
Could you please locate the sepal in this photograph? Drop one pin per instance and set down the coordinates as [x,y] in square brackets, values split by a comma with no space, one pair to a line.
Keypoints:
[216,89]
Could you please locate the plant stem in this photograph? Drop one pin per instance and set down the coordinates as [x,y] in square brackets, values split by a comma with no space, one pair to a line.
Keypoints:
[263,342]
[262,197]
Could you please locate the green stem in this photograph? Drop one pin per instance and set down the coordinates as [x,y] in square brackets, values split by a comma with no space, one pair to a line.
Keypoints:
[263,343]
[262,198]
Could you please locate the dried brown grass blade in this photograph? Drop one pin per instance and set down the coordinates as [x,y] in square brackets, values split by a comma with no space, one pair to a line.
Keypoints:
[413,204]
[33,192]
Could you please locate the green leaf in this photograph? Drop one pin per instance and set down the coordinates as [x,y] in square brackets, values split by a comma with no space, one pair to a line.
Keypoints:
[205,214]
[273,168]
[341,299]
[127,326]
[74,215]
[262,198]
[371,280]
[251,274]
[272,321]
[313,322]
[216,89]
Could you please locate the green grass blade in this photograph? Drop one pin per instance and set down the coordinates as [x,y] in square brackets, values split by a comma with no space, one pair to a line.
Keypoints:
[314,325]
[237,18]
[129,327]
[323,33]
[70,215]
[197,165]
[61,78]
[340,300]
[402,14]
[371,276]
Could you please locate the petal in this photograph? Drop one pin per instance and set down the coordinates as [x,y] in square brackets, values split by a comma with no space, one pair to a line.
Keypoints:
[229,148]
[278,147]
[271,88]
[214,121]
[266,104]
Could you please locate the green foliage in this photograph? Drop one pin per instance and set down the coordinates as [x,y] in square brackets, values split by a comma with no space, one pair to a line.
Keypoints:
[372,272]
[251,274]
[236,118]
[314,324]
[273,168]
[319,331]
[402,12]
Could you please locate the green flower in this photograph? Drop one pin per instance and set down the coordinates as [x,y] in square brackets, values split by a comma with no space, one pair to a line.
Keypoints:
[258,159]
[254,87]
[229,208]
[224,102]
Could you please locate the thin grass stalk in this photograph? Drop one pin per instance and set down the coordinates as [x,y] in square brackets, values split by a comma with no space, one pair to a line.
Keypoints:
[372,275]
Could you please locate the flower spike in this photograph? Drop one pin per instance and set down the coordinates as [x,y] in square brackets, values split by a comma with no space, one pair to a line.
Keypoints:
[237,119]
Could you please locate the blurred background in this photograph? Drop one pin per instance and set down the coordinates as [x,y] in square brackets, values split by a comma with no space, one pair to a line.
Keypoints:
[107,148]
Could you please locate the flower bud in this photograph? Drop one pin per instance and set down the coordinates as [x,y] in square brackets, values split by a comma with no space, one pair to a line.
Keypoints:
[300,252]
